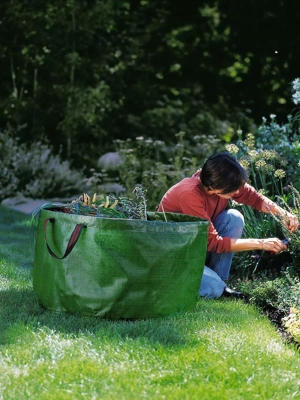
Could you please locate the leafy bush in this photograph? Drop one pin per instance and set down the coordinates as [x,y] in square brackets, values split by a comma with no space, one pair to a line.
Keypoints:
[280,293]
[33,170]
[285,140]
[265,294]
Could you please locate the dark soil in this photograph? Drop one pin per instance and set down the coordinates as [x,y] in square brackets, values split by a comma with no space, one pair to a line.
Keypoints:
[275,316]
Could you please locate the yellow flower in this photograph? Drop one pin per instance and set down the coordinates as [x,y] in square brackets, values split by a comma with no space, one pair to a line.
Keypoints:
[232,148]
[261,164]
[250,141]
[279,173]
[293,310]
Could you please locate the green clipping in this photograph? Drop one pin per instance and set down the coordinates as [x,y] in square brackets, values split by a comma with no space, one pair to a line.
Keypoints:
[119,268]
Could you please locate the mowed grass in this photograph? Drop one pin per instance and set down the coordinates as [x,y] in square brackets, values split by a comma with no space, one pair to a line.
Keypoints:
[223,349]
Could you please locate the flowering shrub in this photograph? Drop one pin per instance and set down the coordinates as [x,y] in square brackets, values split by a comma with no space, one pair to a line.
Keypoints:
[296,90]
[34,170]
[265,167]
[292,323]
[262,156]
[271,159]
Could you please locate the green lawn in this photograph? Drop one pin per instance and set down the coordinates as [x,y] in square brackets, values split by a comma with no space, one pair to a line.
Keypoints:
[223,349]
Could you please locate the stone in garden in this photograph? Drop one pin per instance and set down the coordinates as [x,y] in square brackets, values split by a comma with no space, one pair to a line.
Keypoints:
[110,161]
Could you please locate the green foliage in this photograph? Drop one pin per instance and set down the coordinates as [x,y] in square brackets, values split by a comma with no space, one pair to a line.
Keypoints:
[267,91]
[280,293]
[258,225]
[83,75]
[266,171]
[106,206]
[33,170]
[85,114]
[156,167]
[284,139]
[293,237]
[271,159]
[265,294]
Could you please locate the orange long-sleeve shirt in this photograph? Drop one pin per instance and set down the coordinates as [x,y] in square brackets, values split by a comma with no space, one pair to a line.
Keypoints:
[189,197]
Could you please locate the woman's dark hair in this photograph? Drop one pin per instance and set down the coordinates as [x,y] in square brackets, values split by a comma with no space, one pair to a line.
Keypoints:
[222,172]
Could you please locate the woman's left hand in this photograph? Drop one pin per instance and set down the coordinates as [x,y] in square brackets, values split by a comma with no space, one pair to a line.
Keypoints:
[291,221]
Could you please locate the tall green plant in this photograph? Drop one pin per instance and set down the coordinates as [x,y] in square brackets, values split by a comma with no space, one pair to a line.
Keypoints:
[293,237]
[265,168]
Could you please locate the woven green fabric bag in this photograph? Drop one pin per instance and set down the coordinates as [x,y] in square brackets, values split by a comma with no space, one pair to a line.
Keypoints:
[119,268]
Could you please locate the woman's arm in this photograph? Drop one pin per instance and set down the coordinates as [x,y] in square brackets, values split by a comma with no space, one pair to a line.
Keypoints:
[269,244]
[289,219]
[248,195]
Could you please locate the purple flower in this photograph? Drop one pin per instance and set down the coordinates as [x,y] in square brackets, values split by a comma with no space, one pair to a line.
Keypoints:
[256,256]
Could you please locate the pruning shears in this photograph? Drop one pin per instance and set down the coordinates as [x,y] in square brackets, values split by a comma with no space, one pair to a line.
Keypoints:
[284,241]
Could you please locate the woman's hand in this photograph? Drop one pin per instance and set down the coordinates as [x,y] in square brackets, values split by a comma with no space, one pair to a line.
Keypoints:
[273,244]
[290,220]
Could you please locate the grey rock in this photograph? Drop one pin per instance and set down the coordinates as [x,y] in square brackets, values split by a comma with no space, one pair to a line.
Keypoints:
[110,161]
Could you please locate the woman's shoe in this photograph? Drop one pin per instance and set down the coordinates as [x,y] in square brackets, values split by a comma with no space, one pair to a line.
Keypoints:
[232,293]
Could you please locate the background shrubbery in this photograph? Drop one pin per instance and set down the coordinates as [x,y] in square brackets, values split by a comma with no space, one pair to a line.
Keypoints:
[82,74]
[33,170]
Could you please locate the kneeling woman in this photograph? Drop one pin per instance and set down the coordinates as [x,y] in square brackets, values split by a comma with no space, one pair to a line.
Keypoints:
[206,195]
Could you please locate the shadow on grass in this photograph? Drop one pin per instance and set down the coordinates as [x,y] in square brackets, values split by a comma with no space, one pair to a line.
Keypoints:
[20,308]
[16,237]
[21,313]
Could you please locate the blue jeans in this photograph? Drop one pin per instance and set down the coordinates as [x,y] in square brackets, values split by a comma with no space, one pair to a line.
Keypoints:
[228,223]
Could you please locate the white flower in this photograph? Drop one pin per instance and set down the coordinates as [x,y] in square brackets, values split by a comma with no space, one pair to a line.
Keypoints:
[264,120]
[232,148]
[296,89]
[296,98]
[272,116]
[296,84]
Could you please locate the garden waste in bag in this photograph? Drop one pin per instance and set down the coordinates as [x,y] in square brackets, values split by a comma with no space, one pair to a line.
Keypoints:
[118,268]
